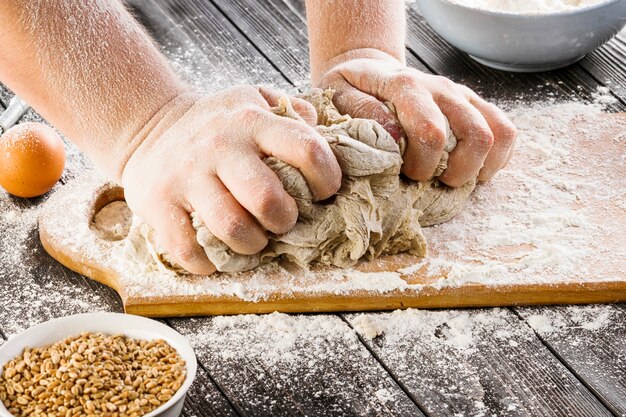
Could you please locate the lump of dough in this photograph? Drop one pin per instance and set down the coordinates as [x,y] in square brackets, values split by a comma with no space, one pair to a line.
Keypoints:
[376,211]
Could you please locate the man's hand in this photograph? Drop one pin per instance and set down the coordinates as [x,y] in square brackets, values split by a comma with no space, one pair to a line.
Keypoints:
[364,80]
[205,154]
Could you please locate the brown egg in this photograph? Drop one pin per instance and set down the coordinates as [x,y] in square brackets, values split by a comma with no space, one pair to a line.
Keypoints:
[32,158]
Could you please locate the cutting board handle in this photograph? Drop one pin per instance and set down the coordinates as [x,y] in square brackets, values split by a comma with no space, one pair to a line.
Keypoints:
[97,261]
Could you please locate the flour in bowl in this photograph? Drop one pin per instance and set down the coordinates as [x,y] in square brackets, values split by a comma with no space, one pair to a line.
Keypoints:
[528,6]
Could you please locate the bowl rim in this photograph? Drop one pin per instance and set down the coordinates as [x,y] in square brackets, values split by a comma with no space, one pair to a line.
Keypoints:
[528,16]
[139,323]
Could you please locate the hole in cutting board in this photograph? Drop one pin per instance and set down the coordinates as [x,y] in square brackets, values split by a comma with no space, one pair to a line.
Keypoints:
[110,218]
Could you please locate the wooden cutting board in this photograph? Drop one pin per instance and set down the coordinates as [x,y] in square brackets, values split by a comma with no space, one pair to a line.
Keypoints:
[549,229]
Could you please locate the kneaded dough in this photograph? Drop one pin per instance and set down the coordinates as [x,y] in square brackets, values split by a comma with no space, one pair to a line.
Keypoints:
[376,211]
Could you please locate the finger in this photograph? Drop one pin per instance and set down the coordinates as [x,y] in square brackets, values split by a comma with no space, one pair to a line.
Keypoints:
[302,107]
[510,155]
[504,133]
[178,237]
[225,217]
[259,191]
[302,147]
[474,136]
[305,109]
[356,103]
[425,128]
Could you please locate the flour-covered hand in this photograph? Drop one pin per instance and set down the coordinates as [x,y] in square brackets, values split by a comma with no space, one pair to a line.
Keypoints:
[364,80]
[205,154]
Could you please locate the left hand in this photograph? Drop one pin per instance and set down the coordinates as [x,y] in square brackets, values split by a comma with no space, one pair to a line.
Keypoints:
[364,80]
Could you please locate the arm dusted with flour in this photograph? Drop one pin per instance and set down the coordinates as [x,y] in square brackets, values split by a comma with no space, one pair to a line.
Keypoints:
[90,69]
[357,48]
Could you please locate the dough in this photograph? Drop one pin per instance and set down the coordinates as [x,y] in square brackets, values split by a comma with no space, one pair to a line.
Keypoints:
[375,212]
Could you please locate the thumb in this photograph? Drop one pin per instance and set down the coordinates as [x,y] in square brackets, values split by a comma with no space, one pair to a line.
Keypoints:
[356,103]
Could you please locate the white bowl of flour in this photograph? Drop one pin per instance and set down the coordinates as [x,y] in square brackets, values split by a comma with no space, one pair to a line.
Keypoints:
[525,35]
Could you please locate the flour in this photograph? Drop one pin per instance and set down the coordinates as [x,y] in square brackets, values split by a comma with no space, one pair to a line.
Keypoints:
[317,354]
[383,395]
[532,217]
[112,222]
[30,293]
[587,318]
[528,7]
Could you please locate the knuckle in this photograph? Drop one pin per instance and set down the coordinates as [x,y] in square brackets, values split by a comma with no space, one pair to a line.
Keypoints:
[313,149]
[446,83]
[219,142]
[483,139]
[159,191]
[466,91]
[405,78]
[233,227]
[432,136]
[507,132]
[268,201]
[251,114]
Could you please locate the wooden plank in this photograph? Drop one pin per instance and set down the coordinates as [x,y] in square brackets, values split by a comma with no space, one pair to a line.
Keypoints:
[288,50]
[474,362]
[5,95]
[281,35]
[230,58]
[590,340]
[280,364]
[204,399]
[608,65]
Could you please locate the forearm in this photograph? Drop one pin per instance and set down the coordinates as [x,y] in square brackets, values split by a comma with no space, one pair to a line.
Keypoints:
[339,26]
[89,69]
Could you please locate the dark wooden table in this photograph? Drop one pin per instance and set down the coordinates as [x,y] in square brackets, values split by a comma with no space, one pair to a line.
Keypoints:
[522,361]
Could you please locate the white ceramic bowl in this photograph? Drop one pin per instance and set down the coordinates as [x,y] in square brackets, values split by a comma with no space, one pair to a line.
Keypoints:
[109,323]
[525,42]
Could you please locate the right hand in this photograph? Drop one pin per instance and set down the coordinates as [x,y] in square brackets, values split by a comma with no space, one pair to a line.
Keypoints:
[207,157]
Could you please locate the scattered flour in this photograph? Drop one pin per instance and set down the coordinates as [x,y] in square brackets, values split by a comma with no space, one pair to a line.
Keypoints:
[530,215]
[316,354]
[589,318]
[367,327]
[383,395]
[453,328]
[528,6]
[32,290]
[543,324]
